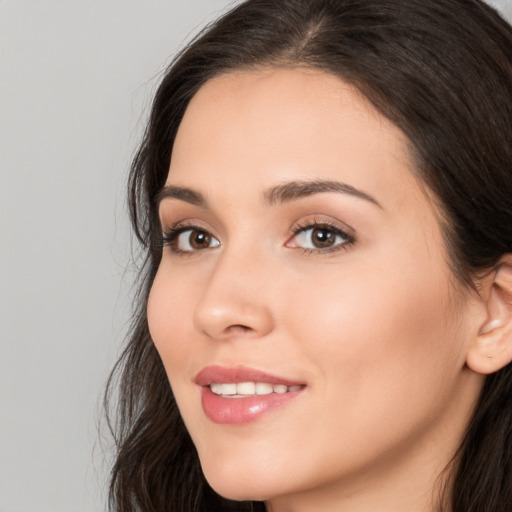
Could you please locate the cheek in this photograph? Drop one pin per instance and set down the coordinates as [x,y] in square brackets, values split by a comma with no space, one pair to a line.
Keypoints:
[383,356]
[380,332]
[170,326]
[167,318]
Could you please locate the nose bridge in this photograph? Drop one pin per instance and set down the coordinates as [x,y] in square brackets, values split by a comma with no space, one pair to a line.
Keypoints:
[235,297]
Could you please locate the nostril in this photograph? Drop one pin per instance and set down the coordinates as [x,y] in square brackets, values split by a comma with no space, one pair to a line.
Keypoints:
[239,329]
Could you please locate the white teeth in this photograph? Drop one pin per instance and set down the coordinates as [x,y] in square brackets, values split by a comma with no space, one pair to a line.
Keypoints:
[263,388]
[216,388]
[229,389]
[250,389]
[246,388]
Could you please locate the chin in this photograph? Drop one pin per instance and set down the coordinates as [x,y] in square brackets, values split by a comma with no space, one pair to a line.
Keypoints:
[247,484]
[237,489]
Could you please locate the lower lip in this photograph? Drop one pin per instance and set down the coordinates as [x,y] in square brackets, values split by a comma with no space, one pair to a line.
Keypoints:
[237,411]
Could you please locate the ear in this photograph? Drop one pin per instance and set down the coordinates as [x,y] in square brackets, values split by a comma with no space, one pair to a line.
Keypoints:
[491,349]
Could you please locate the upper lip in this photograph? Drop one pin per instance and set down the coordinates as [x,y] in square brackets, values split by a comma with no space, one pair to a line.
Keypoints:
[221,374]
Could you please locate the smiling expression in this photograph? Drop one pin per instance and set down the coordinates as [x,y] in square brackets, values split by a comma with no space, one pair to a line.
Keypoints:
[300,251]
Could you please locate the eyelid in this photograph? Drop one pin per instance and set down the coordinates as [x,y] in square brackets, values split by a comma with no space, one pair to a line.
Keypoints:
[186,223]
[171,234]
[346,232]
[310,221]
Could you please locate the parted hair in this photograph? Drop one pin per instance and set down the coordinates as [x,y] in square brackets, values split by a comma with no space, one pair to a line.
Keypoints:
[440,70]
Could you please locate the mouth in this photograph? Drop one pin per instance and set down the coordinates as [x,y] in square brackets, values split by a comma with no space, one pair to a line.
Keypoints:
[241,395]
[245,389]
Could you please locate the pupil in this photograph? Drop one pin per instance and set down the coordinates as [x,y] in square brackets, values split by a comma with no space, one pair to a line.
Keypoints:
[323,238]
[198,239]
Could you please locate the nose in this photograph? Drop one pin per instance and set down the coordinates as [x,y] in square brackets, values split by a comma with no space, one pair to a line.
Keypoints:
[236,300]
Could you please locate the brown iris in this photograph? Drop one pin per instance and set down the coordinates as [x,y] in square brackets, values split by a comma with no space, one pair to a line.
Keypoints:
[322,238]
[199,239]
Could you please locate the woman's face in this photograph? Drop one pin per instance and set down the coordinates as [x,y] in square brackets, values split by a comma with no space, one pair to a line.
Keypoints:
[303,261]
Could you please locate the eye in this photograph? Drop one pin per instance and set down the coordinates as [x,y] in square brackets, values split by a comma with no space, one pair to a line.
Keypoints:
[189,239]
[320,237]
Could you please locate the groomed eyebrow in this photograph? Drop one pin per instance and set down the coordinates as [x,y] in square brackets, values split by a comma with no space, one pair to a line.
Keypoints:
[286,192]
[183,194]
[298,189]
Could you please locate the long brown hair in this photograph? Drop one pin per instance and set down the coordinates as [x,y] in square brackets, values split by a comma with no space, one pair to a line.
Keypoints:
[441,71]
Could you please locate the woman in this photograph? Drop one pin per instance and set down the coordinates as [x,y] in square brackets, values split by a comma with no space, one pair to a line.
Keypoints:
[324,197]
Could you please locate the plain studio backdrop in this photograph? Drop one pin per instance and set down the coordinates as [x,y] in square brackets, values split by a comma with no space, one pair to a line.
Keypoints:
[76,79]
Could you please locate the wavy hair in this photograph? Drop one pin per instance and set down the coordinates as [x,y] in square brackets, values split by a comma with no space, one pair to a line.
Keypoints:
[441,71]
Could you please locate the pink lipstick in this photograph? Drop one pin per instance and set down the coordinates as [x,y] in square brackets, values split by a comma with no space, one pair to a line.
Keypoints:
[241,395]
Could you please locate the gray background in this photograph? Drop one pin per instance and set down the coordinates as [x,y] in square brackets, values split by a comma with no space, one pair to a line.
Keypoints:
[76,77]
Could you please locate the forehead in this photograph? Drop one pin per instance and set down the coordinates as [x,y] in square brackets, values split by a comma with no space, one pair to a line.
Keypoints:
[300,102]
[262,127]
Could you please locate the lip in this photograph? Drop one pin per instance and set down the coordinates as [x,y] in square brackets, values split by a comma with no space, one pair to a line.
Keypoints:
[239,411]
[221,374]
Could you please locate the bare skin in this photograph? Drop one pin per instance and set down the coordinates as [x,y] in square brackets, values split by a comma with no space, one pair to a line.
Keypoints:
[343,288]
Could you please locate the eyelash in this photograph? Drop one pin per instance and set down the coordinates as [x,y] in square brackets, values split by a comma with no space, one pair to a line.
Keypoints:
[170,237]
[349,240]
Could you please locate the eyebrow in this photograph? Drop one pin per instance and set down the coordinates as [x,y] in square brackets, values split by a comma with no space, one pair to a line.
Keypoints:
[298,189]
[284,193]
[183,194]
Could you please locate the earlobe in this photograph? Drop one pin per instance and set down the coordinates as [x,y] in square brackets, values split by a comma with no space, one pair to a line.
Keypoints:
[491,349]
